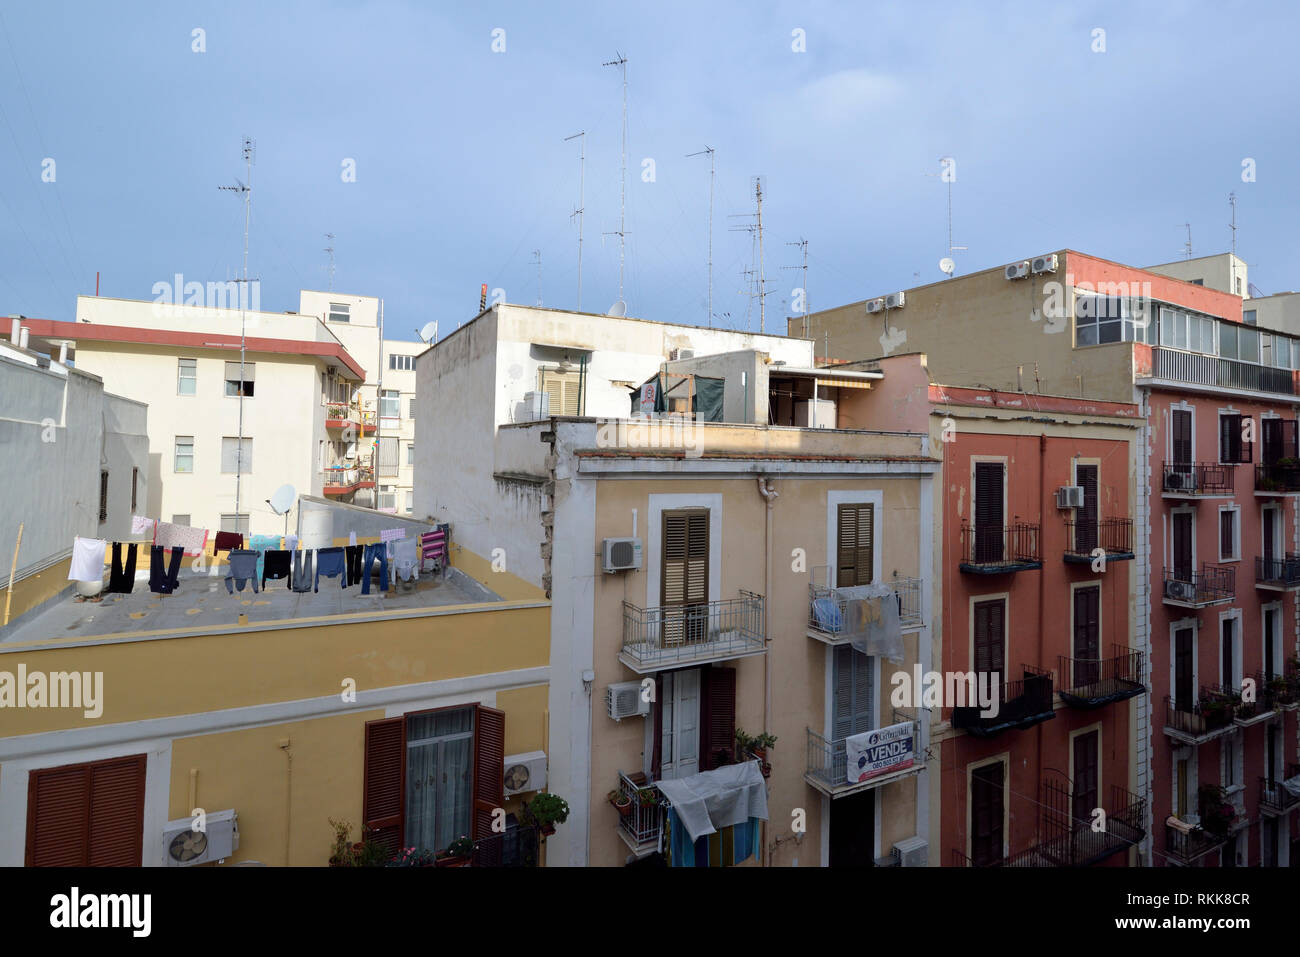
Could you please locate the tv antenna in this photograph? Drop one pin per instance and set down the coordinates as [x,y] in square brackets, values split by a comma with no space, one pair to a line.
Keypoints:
[581,208]
[756,228]
[1187,246]
[709,150]
[621,63]
[537,259]
[1232,201]
[330,249]
[803,245]
[246,190]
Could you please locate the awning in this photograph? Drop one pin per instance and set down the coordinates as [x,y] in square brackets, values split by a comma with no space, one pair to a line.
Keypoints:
[845,383]
[724,797]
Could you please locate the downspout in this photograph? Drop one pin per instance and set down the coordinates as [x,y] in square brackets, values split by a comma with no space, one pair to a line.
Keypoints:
[1042,584]
[770,496]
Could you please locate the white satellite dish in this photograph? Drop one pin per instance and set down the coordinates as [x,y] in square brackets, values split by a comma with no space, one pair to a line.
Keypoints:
[618,310]
[429,332]
[282,499]
[946,266]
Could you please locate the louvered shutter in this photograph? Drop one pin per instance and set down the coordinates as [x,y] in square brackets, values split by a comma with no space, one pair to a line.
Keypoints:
[854,546]
[853,686]
[1288,439]
[117,812]
[563,390]
[1182,529]
[87,814]
[989,518]
[685,574]
[986,814]
[384,791]
[1271,440]
[990,640]
[1087,635]
[1085,776]
[717,717]
[1182,437]
[1183,664]
[489,767]
[1085,520]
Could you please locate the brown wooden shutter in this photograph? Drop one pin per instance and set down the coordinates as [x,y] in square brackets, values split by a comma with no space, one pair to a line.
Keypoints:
[990,641]
[685,573]
[489,767]
[986,814]
[383,802]
[87,815]
[717,717]
[990,518]
[117,812]
[1182,437]
[1182,530]
[1183,649]
[1085,777]
[854,553]
[1085,520]
[1087,634]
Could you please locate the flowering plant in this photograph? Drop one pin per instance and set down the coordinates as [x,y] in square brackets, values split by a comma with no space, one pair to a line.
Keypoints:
[412,857]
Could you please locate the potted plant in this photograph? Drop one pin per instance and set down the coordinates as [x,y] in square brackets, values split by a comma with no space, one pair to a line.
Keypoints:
[348,853]
[412,857]
[545,811]
[621,800]
[457,854]
[755,746]
[647,797]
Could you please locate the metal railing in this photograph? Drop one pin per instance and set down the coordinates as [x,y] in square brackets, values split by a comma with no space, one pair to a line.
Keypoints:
[997,546]
[516,847]
[644,821]
[1112,535]
[1213,583]
[669,634]
[1188,846]
[1019,703]
[1274,798]
[1277,477]
[1088,682]
[1201,478]
[1216,371]
[828,758]
[827,605]
[1269,697]
[1279,572]
[1212,712]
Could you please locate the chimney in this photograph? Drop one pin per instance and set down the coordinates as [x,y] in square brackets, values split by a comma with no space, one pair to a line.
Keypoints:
[482,297]
[17,332]
[26,333]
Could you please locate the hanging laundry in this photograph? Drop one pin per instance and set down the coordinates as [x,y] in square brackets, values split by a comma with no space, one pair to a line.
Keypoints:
[330,562]
[404,555]
[353,555]
[352,538]
[227,542]
[291,543]
[121,580]
[87,560]
[276,566]
[190,540]
[260,544]
[164,581]
[374,553]
[242,569]
[141,525]
[302,574]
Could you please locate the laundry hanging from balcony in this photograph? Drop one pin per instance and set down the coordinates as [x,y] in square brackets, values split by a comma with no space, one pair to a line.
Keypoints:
[717,799]
[867,615]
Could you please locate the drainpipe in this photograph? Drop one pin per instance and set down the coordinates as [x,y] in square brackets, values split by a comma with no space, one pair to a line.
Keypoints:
[1042,586]
[770,496]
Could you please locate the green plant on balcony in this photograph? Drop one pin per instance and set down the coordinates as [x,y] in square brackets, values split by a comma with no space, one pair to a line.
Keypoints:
[544,812]
[413,857]
[457,853]
[621,800]
[337,411]
[1267,484]
[1217,814]
[1216,709]
[348,853]
[1288,462]
[647,797]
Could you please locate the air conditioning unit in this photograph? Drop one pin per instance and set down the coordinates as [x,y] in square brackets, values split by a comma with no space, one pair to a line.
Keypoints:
[537,405]
[624,700]
[525,772]
[1018,270]
[913,852]
[676,354]
[895,300]
[1178,481]
[621,554]
[1069,496]
[184,847]
[1180,591]
[1045,264]
[875,305]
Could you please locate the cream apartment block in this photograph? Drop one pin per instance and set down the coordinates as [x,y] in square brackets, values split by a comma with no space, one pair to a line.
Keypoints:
[728,528]
[387,400]
[184,363]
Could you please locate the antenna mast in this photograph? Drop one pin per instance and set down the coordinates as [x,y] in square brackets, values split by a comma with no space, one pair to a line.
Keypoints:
[709,150]
[582,187]
[621,63]
[1232,201]
[537,253]
[330,249]
[247,191]
[803,244]
[755,229]
[1187,247]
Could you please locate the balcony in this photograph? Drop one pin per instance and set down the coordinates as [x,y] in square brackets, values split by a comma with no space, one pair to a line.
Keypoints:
[368,422]
[1096,682]
[1195,369]
[1278,574]
[1277,478]
[1191,482]
[828,761]
[344,481]
[1186,844]
[1114,536]
[1280,795]
[1269,694]
[341,417]
[1212,585]
[1018,705]
[640,823]
[999,550]
[674,636]
[1210,718]
[828,608]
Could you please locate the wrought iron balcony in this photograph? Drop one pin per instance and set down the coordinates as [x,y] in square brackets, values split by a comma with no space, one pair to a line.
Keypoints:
[1197,369]
[828,606]
[1277,478]
[673,636]
[1114,536]
[1203,721]
[1275,797]
[1212,585]
[997,549]
[1278,574]
[1187,843]
[640,824]
[828,762]
[1018,704]
[1198,480]
[516,847]
[1268,699]
[1094,682]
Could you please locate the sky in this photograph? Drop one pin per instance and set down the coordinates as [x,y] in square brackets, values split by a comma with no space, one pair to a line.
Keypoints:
[453,118]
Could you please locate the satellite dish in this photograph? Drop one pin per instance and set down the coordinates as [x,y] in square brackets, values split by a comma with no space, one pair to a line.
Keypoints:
[282,499]
[946,265]
[618,310]
[429,332]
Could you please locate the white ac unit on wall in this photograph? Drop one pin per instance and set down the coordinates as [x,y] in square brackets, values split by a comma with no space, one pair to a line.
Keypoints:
[875,305]
[1045,263]
[1069,496]
[525,772]
[537,405]
[621,554]
[895,300]
[1018,270]
[625,700]
[1180,591]
[913,852]
[184,847]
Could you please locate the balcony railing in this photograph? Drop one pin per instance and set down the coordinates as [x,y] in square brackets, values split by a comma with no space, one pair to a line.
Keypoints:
[1197,369]
[828,762]
[1113,535]
[1277,478]
[1278,573]
[642,825]
[827,605]
[1200,722]
[1017,704]
[671,636]
[1212,585]
[1094,682]
[344,480]
[1275,797]
[995,549]
[1190,845]
[1269,695]
[516,847]
[1204,478]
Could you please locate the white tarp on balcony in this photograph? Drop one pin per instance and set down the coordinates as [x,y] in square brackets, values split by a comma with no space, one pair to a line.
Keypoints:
[1292,785]
[723,797]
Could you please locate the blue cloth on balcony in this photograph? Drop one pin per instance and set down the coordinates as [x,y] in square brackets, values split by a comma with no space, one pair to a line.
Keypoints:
[329,562]
[259,544]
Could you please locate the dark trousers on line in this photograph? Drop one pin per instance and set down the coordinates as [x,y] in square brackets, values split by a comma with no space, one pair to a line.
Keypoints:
[163,581]
[122,579]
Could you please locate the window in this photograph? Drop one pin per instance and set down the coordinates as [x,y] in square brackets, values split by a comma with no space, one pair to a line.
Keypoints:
[135,489]
[1248,345]
[1181,437]
[684,573]
[410,453]
[187,376]
[990,645]
[236,456]
[1272,646]
[1232,446]
[1183,539]
[180,520]
[412,409]
[1085,518]
[695,721]
[562,390]
[420,788]
[990,483]
[1104,319]
[87,815]
[1232,754]
[103,496]
[233,379]
[986,814]
[390,406]
[340,312]
[1085,783]
[1087,635]
[410,501]
[853,683]
[184,453]
[388,453]
[1197,282]
[401,363]
[854,554]
[1228,537]
[1228,655]
[387,497]
[1182,789]
[1237,280]
[1184,669]
[1247,315]
[232,522]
